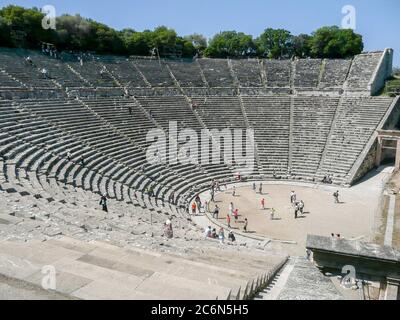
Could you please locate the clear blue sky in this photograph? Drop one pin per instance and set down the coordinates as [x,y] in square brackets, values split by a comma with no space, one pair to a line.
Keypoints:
[377,21]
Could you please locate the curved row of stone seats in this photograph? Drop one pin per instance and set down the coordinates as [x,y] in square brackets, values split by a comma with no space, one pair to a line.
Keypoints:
[104,72]
[93,159]
[93,132]
[362,70]
[168,109]
[6,81]
[135,126]
[95,73]
[269,116]
[335,73]
[277,72]
[307,73]
[312,120]
[24,153]
[29,130]
[356,121]
[188,74]
[71,218]
[192,91]
[248,72]
[155,72]
[221,113]
[216,72]
[63,206]
[126,73]
[125,115]
[19,69]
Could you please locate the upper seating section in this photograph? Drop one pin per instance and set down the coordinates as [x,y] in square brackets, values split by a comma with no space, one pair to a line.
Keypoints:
[362,70]
[248,72]
[95,72]
[307,73]
[155,72]
[115,72]
[335,73]
[126,73]
[216,72]
[6,81]
[29,74]
[60,72]
[188,74]
[277,72]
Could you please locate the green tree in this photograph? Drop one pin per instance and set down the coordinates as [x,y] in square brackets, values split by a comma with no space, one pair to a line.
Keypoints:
[139,43]
[75,33]
[108,39]
[275,43]
[187,47]
[332,42]
[25,26]
[301,46]
[5,36]
[230,44]
[163,39]
[198,41]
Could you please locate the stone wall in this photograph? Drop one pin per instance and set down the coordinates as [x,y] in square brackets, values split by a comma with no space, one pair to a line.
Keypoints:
[368,164]
[393,119]
[383,72]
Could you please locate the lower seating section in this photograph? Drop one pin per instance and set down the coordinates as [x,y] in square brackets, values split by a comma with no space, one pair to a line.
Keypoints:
[357,120]
[124,115]
[220,112]
[277,72]
[269,116]
[312,120]
[223,113]
[301,138]
[248,72]
[165,110]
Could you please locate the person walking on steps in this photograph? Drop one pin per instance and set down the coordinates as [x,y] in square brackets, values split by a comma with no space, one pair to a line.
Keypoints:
[103,203]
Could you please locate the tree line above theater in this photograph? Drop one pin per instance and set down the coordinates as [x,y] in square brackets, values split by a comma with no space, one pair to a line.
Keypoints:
[20,27]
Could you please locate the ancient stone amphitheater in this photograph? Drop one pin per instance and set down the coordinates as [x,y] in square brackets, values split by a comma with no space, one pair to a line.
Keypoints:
[311,118]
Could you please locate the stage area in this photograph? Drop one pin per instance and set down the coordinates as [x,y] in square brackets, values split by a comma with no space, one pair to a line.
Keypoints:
[352,218]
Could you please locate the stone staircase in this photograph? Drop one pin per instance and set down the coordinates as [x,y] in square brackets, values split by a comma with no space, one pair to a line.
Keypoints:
[99,270]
